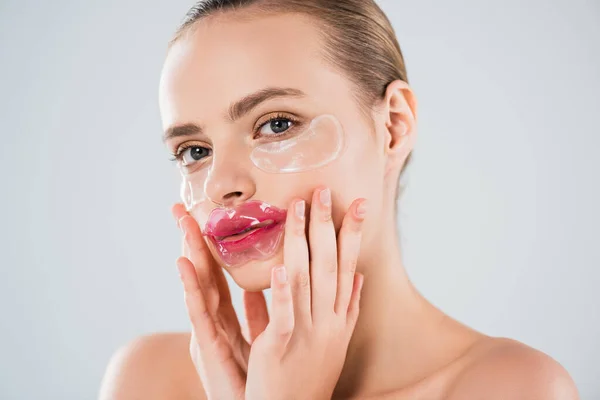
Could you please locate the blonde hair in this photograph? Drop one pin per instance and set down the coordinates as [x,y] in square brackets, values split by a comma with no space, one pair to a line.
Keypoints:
[359,41]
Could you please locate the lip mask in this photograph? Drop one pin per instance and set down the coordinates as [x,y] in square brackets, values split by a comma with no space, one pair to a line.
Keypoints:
[251,231]
[305,149]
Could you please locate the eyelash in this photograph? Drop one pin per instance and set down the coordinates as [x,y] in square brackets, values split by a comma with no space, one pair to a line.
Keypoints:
[177,157]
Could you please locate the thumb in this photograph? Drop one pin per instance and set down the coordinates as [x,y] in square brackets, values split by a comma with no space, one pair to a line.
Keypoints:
[257,314]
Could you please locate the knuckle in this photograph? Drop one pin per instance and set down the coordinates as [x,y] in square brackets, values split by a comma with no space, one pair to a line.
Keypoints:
[351,266]
[219,347]
[302,280]
[326,217]
[298,230]
[282,296]
[283,335]
[192,295]
[352,226]
[284,332]
[331,267]
[285,327]
[356,226]
[199,320]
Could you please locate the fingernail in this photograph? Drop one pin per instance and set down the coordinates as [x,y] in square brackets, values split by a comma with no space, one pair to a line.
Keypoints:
[300,208]
[325,197]
[281,274]
[361,210]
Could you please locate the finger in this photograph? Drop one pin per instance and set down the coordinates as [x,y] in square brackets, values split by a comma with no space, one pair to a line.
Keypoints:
[196,240]
[214,286]
[185,249]
[178,211]
[323,256]
[295,255]
[199,252]
[348,243]
[199,315]
[201,259]
[354,306]
[257,314]
[281,324]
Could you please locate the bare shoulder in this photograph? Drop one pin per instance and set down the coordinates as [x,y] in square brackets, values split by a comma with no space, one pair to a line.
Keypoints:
[156,366]
[505,368]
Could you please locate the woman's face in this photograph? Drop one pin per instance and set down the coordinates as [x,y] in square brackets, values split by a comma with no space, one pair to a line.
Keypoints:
[225,60]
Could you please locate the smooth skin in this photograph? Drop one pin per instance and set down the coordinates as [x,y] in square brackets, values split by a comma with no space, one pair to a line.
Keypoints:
[401,347]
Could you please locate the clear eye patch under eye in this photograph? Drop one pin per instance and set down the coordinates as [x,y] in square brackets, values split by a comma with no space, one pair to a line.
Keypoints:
[316,146]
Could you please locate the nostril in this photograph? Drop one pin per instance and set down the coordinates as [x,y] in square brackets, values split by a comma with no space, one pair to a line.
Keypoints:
[232,195]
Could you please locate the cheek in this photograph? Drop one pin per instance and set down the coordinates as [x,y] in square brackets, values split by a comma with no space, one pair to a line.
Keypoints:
[359,173]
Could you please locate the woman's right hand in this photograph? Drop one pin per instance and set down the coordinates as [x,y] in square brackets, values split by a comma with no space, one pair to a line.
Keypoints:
[218,348]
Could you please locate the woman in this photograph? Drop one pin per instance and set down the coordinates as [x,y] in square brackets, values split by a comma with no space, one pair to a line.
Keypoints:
[292,121]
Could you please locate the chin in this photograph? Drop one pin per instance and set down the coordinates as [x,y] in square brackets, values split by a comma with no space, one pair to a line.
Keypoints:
[255,275]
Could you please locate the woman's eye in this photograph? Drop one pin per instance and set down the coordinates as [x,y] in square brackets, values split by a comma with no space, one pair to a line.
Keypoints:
[277,126]
[193,154]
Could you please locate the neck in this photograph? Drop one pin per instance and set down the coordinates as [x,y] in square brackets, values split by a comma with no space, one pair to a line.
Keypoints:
[400,338]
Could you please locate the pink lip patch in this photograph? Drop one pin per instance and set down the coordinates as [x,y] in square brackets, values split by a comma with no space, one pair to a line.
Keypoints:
[251,231]
[240,235]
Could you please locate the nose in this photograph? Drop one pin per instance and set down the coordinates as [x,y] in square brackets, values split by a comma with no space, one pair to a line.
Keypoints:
[229,182]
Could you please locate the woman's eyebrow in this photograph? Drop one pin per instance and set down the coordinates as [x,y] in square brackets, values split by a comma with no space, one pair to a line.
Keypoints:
[237,110]
[247,103]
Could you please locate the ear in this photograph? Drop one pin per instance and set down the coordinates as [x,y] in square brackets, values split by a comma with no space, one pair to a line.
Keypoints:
[400,108]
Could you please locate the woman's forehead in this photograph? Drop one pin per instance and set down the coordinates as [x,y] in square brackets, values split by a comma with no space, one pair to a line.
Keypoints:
[223,59]
[269,51]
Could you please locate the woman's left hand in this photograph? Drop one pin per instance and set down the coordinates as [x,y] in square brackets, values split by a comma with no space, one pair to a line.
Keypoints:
[314,309]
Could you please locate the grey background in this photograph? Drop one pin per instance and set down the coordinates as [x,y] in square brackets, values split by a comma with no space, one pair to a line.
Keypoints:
[500,220]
